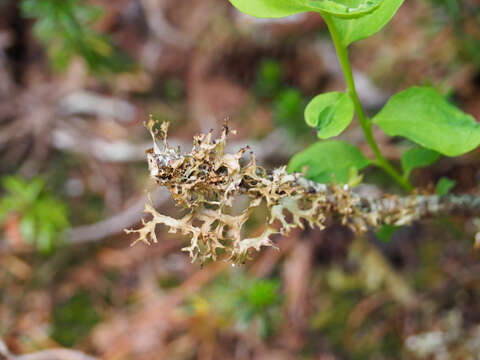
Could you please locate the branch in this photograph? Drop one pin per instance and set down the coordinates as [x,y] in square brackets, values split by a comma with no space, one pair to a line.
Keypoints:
[51,354]
[114,224]
[93,104]
[207,181]
[160,28]
[276,145]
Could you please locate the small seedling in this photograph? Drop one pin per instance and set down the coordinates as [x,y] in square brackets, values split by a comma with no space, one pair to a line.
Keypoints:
[40,217]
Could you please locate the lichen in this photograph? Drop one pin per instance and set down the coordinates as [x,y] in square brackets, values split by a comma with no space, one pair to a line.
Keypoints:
[206,182]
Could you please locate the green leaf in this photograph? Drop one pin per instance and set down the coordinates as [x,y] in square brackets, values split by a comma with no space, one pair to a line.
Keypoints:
[45,238]
[15,185]
[330,113]
[422,115]
[34,189]
[9,204]
[281,8]
[417,157]
[352,30]
[444,185]
[43,217]
[386,232]
[328,161]
[354,178]
[262,294]
[268,8]
[27,228]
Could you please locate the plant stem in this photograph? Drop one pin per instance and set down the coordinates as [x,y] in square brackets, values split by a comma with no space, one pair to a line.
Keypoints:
[365,123]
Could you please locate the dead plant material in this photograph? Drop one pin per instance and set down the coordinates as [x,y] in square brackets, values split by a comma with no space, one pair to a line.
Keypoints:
[206,181]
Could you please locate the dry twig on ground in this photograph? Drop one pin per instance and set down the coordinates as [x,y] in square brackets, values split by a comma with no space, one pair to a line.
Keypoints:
[51,354]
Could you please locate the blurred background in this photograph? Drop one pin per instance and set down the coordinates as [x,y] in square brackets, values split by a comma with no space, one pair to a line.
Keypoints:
[78,79]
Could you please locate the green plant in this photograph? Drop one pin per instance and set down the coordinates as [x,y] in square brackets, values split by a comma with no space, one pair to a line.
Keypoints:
[245,301]
[42,217]
[419,114]
[316,187]
[66,28]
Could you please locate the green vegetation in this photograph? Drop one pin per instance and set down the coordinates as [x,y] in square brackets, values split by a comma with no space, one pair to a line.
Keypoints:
[66,28]
[245,301]
[419,114]
[73,319]
[42,216]
[68,276]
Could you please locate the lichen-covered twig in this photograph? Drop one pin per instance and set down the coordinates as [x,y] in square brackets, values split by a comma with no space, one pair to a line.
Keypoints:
[206,181]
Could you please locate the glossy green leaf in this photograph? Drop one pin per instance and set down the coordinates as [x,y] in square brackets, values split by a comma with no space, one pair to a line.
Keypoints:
[281,8]
[268,8]
[422,115]
[330,113]
[352,30]
[444,185]
[418,157]
[327,161]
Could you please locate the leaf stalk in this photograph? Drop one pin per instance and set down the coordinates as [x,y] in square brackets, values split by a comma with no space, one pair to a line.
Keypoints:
[365,123]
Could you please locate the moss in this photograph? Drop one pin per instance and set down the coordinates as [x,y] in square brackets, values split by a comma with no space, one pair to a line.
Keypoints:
[74,319]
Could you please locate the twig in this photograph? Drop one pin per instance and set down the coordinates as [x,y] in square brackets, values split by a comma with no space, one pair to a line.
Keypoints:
[103,150]
[55,354]
[207,181]
[114,224]
[51,354]
[4,353]
[89,103]
[160,28]
[276,145]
